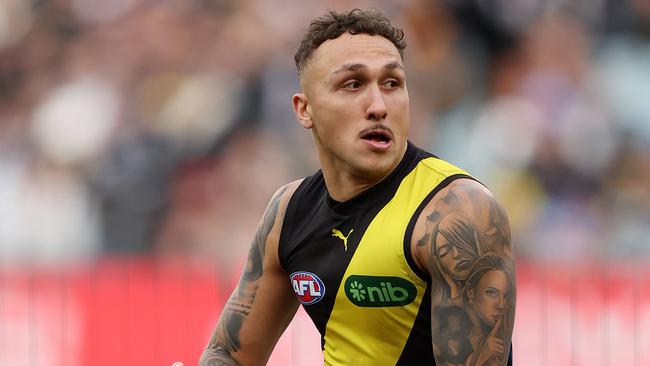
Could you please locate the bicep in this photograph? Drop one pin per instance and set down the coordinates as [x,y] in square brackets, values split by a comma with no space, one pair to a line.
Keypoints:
[464,243]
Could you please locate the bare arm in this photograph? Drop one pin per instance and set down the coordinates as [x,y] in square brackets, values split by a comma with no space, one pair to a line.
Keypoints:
[262,305]
[462,239]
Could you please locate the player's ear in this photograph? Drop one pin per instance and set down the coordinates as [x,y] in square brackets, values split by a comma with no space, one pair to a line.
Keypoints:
[302,110]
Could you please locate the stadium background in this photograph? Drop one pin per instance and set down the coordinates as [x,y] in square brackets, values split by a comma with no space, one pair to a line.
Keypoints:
[141,139]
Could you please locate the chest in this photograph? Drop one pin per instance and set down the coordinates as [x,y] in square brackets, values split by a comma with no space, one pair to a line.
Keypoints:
[331,255]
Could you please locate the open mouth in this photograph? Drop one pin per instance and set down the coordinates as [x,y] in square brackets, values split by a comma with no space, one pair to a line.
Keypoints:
[377,136]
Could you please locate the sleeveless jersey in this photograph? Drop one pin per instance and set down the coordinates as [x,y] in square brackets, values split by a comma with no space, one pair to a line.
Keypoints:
[351,267]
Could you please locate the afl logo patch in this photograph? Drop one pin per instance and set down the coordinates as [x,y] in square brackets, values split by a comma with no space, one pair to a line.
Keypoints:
[308,287]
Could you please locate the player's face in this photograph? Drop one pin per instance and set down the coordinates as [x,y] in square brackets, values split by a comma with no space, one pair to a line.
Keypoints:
[357,104]
[453,261]
[490,296]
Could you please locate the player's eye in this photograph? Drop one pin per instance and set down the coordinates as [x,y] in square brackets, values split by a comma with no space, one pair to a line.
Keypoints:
[352,84]
[392,84]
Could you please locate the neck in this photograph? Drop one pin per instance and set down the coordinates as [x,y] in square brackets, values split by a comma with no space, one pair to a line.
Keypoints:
[342,188]
[343,182]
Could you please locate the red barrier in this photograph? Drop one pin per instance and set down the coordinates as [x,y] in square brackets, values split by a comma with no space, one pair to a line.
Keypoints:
[133,312]
[140,312]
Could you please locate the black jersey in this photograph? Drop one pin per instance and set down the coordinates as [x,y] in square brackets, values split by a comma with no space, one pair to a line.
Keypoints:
[351,267]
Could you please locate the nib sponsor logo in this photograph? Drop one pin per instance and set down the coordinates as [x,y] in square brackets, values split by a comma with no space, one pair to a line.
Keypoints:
[377,291]
[308,287]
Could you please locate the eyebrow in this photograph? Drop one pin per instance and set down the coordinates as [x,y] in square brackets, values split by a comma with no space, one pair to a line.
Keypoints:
[493,288]
[393,65]
[361,67]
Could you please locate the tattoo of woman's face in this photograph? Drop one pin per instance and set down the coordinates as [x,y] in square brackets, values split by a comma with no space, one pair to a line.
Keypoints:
[456,245]
[489,297]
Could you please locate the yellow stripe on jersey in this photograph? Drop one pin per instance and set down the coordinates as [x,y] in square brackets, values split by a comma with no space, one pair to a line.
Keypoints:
[380,295]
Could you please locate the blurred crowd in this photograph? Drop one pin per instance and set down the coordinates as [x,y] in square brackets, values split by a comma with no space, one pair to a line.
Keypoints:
[164,126]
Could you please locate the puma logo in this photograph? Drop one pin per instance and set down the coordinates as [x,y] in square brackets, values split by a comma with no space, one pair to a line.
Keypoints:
[339,234]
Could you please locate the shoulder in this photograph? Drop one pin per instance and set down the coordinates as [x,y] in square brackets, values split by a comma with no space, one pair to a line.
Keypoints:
[284,193]
[280,200]
[273,218]
[467,208]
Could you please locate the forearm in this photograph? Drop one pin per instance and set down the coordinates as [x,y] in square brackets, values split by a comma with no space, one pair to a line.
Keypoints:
[261,287]
[217,357]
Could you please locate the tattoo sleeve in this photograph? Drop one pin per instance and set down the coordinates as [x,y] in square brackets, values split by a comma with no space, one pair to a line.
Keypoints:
[217,357]
[472,272]
[225,339]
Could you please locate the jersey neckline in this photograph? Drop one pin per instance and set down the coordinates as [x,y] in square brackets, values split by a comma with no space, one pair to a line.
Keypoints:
[379,190]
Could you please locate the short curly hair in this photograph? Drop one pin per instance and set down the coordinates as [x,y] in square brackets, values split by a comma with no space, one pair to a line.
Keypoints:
[357,21]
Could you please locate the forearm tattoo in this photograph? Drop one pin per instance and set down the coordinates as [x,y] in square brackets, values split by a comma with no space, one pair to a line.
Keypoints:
[217,357]
[225,339]
[473,279]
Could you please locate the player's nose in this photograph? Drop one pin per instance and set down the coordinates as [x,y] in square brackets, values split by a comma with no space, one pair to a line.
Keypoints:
[376,110]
